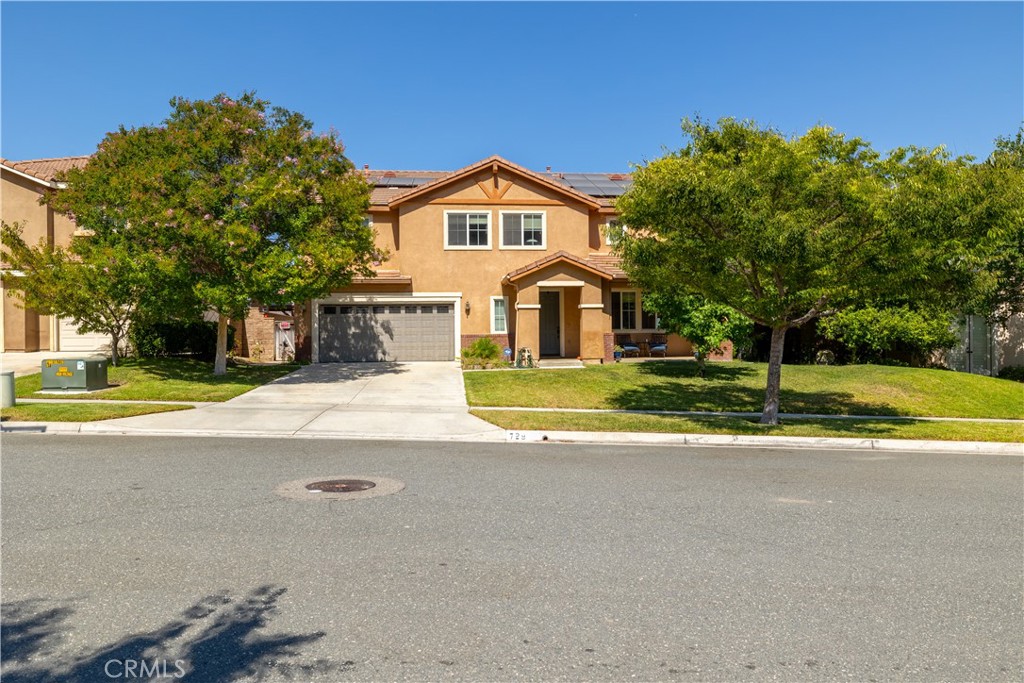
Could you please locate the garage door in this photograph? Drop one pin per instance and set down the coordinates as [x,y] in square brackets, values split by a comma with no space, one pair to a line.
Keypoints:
[73,340]
[386,333]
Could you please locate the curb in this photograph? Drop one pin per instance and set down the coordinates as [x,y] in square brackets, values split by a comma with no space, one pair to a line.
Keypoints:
[595,438]
[653,439]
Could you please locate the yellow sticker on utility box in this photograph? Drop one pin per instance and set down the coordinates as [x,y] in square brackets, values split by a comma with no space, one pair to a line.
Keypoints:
[64,372]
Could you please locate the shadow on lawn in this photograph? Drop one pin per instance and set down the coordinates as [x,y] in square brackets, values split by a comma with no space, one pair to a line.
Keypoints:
[731,387]
[201,372]
[873,429]
[216,639]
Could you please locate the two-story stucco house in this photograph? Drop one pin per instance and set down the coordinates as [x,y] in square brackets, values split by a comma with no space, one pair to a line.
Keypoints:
[492,249]
[22,184]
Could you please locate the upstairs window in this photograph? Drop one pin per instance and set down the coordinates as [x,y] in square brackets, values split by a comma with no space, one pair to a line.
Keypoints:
[467,230]
[522,230]
[612,230]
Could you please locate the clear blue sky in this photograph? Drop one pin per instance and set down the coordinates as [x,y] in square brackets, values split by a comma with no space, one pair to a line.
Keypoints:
[577,86]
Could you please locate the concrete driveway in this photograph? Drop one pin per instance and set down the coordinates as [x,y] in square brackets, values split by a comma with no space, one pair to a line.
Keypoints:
[28,363]
[351,400]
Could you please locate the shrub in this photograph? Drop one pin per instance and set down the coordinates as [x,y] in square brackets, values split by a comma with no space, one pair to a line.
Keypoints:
[1012,372]
[176,338]
[889,335]
[484,349]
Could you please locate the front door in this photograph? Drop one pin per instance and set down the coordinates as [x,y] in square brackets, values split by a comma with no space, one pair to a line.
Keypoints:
[551,323]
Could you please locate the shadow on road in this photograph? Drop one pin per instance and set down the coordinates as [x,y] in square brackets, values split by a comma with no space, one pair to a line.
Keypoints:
[217,639]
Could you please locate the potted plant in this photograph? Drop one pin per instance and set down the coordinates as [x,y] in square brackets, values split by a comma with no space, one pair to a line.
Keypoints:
[617,353]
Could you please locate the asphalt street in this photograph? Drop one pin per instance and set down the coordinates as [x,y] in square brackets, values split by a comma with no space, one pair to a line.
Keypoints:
[498,562]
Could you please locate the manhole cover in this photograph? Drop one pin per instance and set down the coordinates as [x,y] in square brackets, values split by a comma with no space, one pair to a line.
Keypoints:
[340,486]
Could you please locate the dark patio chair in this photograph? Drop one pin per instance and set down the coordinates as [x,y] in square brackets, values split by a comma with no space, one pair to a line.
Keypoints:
[629,348]
[659,344]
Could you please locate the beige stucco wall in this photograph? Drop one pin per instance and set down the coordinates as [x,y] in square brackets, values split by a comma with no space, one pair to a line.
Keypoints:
[19,203]
[417,244]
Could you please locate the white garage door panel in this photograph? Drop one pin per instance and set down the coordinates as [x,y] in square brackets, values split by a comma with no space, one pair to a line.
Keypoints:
[72,340]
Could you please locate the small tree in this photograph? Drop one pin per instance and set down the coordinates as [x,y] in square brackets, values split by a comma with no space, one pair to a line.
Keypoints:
[786,230]
[245,199]
[100,286]
[706,324]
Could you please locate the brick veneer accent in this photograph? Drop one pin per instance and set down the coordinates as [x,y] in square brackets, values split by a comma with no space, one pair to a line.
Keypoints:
[724,354]
[609,348]
[500,339]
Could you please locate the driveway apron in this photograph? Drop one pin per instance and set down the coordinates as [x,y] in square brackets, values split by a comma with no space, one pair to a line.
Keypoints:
[354,400]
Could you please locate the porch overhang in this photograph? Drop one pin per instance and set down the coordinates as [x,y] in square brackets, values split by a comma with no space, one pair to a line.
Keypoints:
[560,257]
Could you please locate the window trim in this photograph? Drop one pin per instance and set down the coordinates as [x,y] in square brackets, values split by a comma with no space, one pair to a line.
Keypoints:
[639,313]
[458,247]
[494,330]
[533,247]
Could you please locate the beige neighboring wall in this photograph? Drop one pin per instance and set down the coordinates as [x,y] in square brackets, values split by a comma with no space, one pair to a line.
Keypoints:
[26,330]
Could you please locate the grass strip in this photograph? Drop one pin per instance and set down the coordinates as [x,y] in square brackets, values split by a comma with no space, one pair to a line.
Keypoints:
[739,386]
[167,379]
[863,429]
[79,412]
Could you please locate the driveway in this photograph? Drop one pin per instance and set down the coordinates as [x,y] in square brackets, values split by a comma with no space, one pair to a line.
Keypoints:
[352,400]
[27,363]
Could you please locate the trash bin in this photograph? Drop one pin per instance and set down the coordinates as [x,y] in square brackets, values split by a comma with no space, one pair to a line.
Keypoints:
[7,398]
[79,374]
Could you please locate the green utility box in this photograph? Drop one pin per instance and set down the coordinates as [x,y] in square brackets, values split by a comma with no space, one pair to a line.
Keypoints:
[74,374]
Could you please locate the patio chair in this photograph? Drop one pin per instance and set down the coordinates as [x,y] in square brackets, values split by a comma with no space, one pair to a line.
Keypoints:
[628,346]
[659,344]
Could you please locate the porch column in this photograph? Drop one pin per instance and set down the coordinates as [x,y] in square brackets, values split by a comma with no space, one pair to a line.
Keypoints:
[528,321]
[594,323]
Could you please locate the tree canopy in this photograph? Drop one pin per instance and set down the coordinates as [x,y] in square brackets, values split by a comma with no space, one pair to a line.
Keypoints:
[785,230]
[244,199]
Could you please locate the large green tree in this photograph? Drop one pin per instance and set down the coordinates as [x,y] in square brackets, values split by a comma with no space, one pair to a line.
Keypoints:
[248,202]
[1002,177]
[785,230]
[100,285]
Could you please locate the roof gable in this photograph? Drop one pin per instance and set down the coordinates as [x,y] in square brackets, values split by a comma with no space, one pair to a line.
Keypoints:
[558,257]
[495,163]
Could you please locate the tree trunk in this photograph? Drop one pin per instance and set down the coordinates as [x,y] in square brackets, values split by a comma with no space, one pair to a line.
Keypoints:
[770,414]
[702,359]
[115,342]
[220,365]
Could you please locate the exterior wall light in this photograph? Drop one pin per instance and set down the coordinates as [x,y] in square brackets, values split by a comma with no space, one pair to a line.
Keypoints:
[467,306]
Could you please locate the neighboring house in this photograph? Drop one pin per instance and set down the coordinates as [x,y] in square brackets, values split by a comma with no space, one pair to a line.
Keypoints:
[490,250]
[22,184]
[986,348]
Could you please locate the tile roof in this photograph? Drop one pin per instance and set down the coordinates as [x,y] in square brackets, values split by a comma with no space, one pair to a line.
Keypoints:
[45,169]
[558,256]
[609,263]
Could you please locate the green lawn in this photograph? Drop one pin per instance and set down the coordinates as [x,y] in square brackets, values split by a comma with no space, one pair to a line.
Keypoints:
[739,386]
[168,379]
[79,412]
[863,429]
